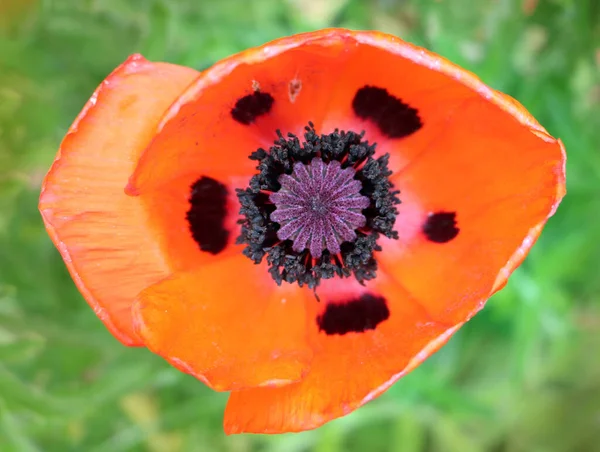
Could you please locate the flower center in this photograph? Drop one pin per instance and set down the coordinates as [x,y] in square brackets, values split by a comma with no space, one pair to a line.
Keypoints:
[316,209]
[319,206]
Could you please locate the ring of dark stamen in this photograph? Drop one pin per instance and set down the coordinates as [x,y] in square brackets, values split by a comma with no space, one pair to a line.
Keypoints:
[259,232]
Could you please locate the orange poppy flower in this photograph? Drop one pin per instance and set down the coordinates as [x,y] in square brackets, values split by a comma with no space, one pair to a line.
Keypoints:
[303,223]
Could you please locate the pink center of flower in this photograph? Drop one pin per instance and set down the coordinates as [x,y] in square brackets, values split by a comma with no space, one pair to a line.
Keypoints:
[319,206]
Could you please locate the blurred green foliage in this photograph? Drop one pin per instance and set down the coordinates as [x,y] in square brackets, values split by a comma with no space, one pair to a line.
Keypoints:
[523,375]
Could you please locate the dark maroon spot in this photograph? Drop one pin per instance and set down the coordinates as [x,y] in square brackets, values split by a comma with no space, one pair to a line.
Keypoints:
[206,217]
[440,227]
[250,107]
[394,118]
[357,315]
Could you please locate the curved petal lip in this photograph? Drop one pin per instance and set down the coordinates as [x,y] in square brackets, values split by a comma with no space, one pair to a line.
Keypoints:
[48,217]
[521,253]
[438,63]
[81,286]
[317,421]
[114,94]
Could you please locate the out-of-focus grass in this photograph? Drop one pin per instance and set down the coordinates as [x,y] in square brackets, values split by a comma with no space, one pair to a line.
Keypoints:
[523,375]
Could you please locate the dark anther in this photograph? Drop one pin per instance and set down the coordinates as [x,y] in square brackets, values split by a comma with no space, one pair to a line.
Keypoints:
[206,217]
[394,118]
[250,107]
[316,209]
[440,227]
[354,316]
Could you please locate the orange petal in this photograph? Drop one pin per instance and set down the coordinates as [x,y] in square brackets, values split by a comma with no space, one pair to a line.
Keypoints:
[347,370]
[199,133]
[100,232]
[228,324]
[405,72]
[502,179]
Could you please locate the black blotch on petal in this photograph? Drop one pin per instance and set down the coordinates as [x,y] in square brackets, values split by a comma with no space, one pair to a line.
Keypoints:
[206,217]
[357,315]
[394,118]
[440,227]
[250,107]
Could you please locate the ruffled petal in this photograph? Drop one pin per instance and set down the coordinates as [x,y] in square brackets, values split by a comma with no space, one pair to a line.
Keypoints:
[100,232]
[228,324]
[364,339]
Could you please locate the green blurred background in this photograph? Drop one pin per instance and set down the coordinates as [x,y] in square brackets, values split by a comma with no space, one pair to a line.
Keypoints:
[523,375]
